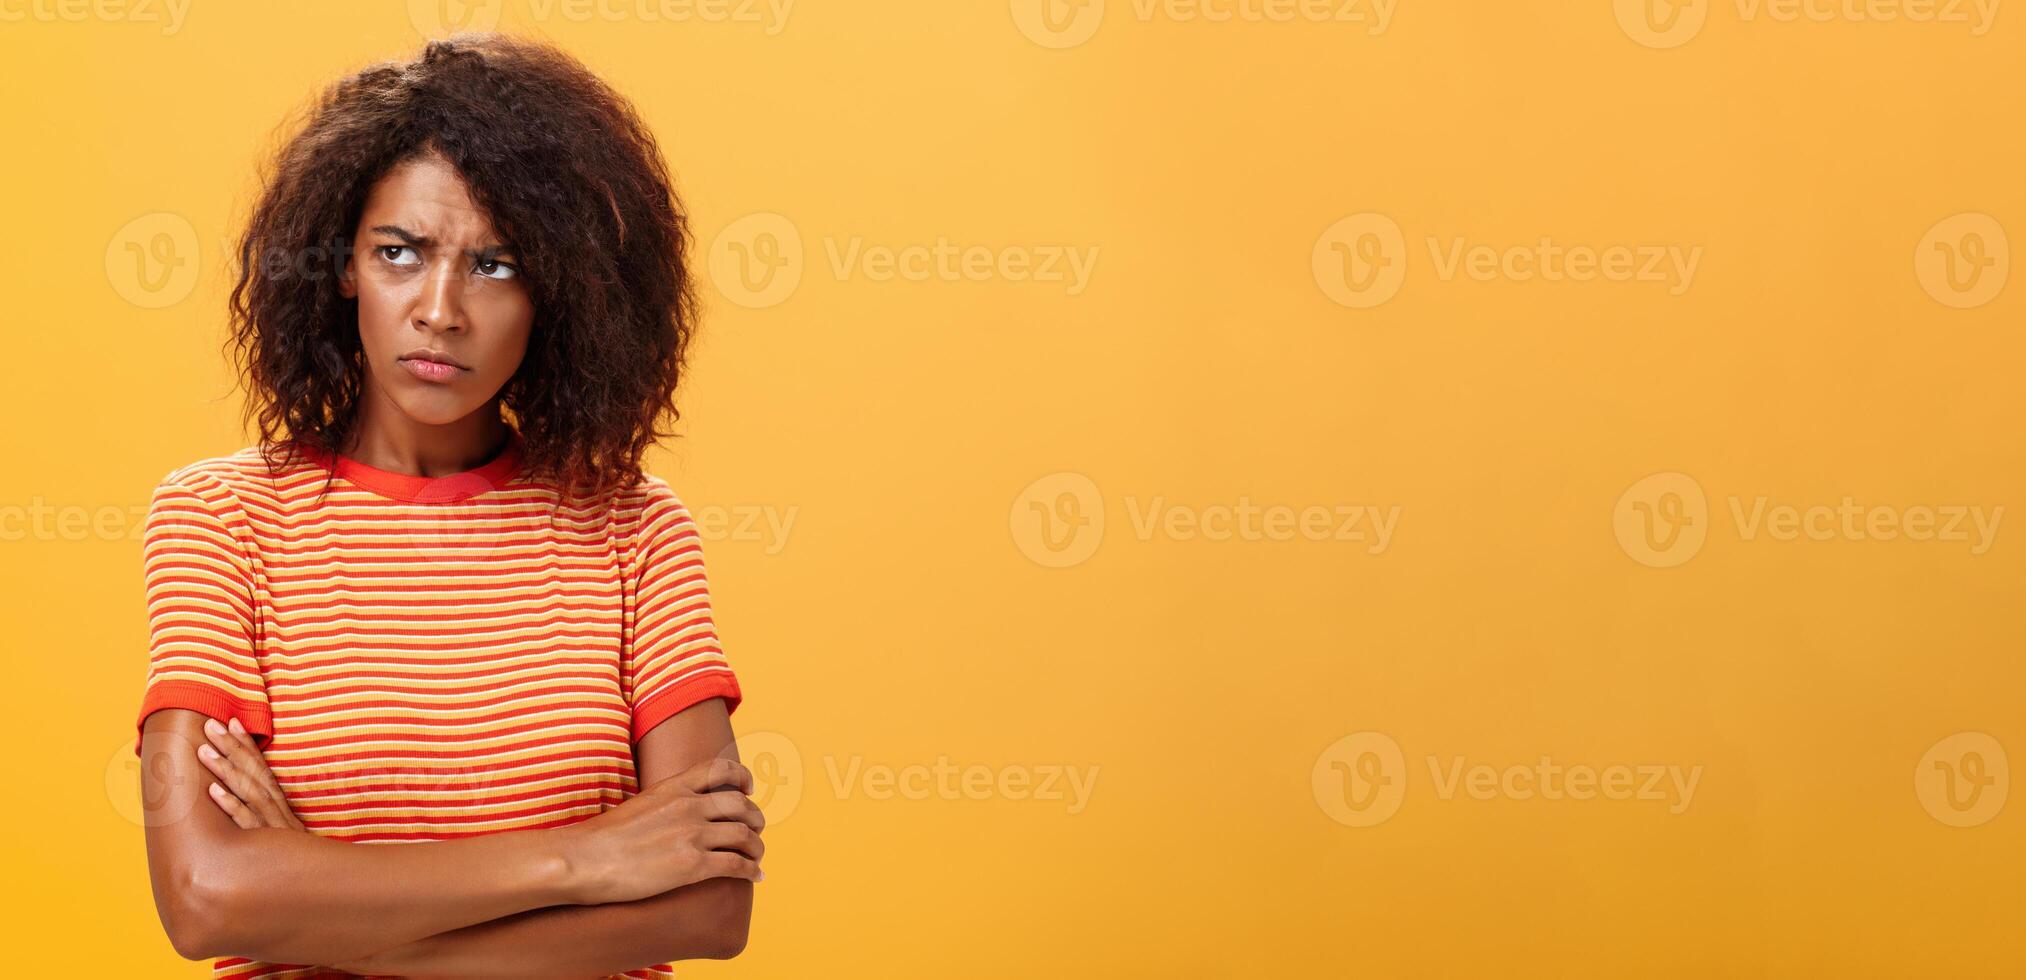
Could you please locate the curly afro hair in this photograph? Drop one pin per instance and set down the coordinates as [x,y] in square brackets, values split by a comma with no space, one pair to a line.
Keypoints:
[567,172]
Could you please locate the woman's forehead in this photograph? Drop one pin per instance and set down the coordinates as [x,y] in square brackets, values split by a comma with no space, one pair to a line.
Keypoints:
[428,198]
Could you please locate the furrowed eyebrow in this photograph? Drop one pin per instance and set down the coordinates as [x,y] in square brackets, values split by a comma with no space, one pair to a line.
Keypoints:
[486,254]
[407,237]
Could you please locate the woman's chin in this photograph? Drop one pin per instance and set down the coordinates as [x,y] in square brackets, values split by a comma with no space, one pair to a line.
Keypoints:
[424,410]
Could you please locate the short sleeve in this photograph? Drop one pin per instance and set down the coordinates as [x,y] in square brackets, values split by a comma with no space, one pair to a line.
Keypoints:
[199,588]
[671,659]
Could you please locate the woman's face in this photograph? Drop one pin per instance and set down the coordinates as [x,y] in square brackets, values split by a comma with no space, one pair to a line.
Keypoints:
[433,280]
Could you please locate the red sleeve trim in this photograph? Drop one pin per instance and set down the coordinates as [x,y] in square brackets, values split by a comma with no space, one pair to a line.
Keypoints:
[669,701]
[200,697]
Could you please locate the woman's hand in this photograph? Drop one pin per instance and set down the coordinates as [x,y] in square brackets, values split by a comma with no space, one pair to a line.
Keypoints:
[699,824]
[245,789]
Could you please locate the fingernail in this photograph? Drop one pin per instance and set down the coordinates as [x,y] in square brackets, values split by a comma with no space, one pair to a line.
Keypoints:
[762,876]
[207,751]
[237,728]
[211,725]
[217,790]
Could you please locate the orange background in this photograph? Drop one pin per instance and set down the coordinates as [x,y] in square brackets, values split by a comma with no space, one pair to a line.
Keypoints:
[1268,720]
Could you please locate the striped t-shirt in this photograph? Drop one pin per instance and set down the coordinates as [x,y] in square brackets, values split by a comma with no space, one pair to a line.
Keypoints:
[427,658]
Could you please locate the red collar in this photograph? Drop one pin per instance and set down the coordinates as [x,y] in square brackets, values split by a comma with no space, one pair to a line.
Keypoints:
[426,489]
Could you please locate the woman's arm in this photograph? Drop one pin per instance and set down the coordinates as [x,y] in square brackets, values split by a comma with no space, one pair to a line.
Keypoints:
[699,921]
[285,896]
[706,920]
[291,897]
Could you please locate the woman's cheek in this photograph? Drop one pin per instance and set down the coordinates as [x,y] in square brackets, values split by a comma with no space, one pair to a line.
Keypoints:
[384,300]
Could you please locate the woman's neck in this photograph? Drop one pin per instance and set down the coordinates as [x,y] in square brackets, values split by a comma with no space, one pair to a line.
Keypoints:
[401,445]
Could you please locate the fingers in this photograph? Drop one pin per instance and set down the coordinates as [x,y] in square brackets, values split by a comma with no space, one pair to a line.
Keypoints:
[252,754]
[243,772]
[233,808]
[726,835]
[730,864]
[230,779]
[732,805]
[706,776]
[241,735]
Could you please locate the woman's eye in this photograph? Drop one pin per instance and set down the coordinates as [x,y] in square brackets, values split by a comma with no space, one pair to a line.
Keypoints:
[494,269]
[399,255]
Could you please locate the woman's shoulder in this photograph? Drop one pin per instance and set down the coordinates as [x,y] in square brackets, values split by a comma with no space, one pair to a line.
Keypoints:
[649,496]
[258,466]
[648,505]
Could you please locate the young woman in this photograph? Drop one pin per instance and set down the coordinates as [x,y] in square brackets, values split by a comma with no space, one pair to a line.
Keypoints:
[439,605]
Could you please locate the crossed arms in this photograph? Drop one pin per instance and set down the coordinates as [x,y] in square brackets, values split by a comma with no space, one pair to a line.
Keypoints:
[558,901]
